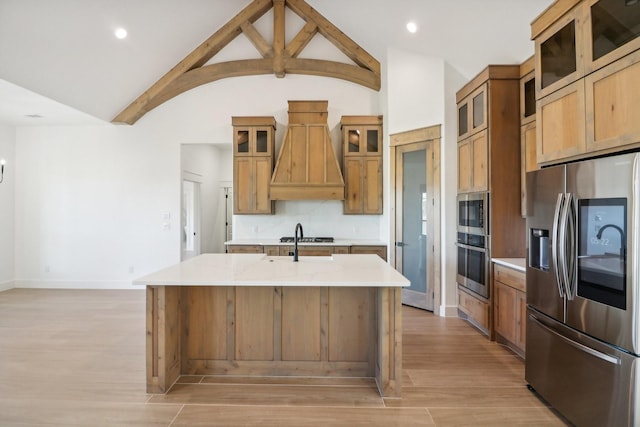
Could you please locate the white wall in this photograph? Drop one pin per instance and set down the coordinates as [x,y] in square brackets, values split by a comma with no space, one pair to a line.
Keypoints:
[91,201]
[449,157]
[421,93]
[7,206]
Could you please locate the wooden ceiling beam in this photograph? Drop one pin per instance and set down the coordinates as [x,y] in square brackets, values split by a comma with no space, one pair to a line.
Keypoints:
[265,49]
[334,35]
[302,39]
[278,38]
[278,59]
[196,58]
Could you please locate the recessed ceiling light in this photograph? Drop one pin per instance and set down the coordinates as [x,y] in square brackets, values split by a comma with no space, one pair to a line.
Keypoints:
[412,27]
[121,33]
[33,116]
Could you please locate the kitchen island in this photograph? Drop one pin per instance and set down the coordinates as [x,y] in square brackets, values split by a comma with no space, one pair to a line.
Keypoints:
[265,316]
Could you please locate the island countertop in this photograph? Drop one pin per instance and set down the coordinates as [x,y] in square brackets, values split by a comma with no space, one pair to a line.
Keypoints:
[263,270]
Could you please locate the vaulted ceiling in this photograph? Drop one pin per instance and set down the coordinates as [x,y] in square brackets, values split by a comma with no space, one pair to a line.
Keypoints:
[59,58]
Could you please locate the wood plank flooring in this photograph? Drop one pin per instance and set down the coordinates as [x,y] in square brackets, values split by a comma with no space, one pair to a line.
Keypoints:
[77,358]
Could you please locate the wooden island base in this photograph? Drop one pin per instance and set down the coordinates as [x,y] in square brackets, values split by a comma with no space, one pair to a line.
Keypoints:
[267,331]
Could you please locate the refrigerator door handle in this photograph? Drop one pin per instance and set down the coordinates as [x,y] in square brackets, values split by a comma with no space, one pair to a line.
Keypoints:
[554,244]
[571,240]
[603,356]
[567,246]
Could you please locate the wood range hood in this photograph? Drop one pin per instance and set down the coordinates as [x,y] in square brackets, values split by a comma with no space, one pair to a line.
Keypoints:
[307,167]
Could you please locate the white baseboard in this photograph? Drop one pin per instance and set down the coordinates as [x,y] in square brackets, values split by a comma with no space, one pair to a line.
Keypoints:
[448,311]
[71,284]
[5,286]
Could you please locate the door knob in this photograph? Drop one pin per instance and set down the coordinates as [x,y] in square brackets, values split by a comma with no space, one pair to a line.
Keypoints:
[399,244]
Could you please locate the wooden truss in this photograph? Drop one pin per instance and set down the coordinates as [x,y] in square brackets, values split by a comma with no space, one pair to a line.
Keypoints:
[277,58]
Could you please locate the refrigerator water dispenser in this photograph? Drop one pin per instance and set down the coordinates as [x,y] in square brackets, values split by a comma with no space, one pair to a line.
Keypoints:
[539,249]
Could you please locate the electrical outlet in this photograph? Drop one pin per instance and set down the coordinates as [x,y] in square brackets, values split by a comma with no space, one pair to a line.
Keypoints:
[131,269]
[47,268]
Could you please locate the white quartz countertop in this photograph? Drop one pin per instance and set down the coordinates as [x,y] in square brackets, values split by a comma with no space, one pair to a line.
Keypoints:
[263,270]
[519,264]
[276,242]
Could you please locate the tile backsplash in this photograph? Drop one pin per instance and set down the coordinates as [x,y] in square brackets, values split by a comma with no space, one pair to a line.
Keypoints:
[318,218]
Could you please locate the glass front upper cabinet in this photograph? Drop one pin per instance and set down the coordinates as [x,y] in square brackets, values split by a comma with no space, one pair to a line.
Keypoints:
[614,28]
[363,141]
[558,55]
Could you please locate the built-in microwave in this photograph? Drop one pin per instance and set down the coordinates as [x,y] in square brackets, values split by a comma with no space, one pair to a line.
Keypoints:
[473,213]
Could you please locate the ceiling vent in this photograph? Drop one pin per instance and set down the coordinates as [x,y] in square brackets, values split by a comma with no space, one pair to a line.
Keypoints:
[307,167]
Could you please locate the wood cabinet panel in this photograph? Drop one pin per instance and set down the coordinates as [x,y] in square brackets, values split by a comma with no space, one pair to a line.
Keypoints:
[464,166]
[254,328]
[480,162]
[475,308]
[245,249]
[349,320]
[560,124]
[381,251]
[301,324]
[272,250]
[510,306]
[613,105]
[473,163]
[508,276]
[505,311]
[207,306]
[521,321]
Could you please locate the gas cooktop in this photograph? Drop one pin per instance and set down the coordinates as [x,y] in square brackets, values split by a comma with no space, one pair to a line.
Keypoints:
[307,240]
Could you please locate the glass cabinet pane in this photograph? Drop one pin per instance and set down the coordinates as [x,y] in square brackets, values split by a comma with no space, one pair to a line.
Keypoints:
[242,141]
[262,141]
[354,141]
[529,97]
[613,24]
[463,114]
[558,55]
[478,110]
[372,141]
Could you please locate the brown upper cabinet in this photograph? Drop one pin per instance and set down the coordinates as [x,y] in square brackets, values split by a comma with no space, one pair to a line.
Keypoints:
[586,73]
[253,159]
[362,164]
[472,113]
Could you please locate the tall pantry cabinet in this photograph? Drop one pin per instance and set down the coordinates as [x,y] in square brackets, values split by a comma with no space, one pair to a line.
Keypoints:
[489,161]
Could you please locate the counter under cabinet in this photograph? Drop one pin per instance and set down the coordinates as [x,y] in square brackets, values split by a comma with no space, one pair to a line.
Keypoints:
[263,316]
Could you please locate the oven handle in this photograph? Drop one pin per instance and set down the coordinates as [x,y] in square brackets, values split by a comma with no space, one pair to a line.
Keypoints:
[471,248]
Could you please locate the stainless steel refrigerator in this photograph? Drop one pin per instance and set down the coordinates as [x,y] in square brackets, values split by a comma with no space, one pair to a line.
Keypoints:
[583,296]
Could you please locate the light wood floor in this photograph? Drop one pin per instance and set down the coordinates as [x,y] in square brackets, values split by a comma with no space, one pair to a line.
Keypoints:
[77,358]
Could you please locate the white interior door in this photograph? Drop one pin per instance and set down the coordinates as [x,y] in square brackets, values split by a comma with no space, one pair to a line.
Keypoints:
[190,219]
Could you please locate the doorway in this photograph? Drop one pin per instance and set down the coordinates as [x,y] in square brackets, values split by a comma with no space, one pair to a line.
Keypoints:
[190,219]
[415,176]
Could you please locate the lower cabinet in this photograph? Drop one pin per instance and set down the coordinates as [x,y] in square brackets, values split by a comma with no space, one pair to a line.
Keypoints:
[475,309]
[314,250]
[308,250]
[381,251]
[510,306]
[245,249]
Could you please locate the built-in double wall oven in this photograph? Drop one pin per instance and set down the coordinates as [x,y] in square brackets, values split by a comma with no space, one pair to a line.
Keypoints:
[473,242]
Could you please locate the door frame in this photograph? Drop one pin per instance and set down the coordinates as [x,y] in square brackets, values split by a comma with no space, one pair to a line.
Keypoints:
[428,138]
[197,183]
